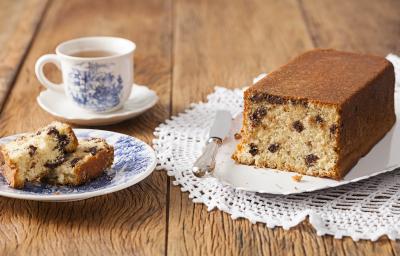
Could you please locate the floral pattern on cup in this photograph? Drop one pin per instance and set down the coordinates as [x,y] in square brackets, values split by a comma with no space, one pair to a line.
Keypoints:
[99,84]
[95,87]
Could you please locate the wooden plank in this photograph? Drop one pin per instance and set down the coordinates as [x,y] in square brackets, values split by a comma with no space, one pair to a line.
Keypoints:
[360,26]
[132,221]
[17,31]
[228,43]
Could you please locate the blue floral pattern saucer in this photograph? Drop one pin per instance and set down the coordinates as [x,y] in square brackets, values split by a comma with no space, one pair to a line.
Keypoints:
[134,160]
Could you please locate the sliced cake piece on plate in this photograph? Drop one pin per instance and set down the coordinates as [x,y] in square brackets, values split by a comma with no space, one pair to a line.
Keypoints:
[89,161]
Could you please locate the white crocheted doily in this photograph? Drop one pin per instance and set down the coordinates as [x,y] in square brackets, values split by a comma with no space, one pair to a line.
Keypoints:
[363,210]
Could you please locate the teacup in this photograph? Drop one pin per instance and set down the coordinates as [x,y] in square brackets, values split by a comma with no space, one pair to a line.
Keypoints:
[97,72]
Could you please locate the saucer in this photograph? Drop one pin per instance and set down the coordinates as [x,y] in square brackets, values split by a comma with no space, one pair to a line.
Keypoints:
[57,105]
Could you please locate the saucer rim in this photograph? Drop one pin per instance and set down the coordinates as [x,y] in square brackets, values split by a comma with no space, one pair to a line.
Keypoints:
[106,116]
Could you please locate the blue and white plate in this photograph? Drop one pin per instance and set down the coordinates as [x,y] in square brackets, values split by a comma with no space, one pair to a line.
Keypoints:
[134,160]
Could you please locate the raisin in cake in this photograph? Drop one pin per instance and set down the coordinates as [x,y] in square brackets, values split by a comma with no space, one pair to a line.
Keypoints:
[90,159]
[318,114]
[29,157]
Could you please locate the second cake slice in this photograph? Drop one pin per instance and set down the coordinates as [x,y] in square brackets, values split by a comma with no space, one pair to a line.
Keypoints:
[89,161]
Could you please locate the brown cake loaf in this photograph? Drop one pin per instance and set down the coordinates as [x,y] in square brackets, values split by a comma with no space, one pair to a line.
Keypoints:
[29,157]
[89,161]
[318,114]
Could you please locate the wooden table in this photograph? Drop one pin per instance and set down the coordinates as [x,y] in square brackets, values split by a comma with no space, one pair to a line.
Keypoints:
[184,48]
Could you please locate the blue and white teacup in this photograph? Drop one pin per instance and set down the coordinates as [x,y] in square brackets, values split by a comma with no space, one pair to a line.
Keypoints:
[97,72]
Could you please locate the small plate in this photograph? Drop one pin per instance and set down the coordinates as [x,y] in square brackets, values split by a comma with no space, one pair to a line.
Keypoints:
[134,160]
[57,105]
[383,157]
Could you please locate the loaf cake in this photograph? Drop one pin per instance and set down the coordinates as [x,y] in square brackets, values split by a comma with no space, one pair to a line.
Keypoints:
[29,157]
[318,114]
[90,159]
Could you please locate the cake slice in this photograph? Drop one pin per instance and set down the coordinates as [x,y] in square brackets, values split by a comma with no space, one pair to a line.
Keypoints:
[31,156]
[318,114]
[89,161]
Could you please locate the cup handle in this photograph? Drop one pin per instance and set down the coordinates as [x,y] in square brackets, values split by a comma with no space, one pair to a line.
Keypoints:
[48,58]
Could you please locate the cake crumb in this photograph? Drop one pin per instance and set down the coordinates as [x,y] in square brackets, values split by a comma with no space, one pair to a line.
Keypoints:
[238,136]
[297,178]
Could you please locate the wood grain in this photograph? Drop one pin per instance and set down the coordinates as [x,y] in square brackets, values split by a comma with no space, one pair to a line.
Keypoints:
[132,221]
[369,27]
[17,31]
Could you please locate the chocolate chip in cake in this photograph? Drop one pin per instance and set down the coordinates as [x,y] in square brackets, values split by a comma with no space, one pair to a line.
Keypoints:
[253,149]
[275,99]
[75,161]
[311,159]
[299,102]
[273,147]
[32,150]
[257,115]
[298,126]
[38,133]
[53,131]
[92,150]
[238,136]
[333,128]
[257,97]
[33,164]
[63,140]
[272,99]
[319,119]
[55,163]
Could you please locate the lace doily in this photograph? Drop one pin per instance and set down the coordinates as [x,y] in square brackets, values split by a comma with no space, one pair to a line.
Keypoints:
[363,210]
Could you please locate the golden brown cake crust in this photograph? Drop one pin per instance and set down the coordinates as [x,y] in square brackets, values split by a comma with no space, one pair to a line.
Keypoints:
[365,119]
[9,170]
[73,144]
[335,76]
